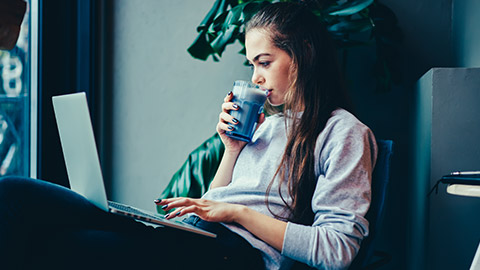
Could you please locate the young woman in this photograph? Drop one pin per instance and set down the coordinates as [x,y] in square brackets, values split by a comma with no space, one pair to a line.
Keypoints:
[298,192]
[301,188]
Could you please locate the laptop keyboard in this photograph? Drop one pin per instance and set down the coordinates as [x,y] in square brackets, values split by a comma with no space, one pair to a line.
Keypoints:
[161,221]
[132,210]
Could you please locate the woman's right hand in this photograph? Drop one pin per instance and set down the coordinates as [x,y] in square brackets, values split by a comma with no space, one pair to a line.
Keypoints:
[231,145]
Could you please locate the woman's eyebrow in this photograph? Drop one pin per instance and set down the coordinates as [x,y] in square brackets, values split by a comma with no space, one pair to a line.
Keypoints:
[255,59]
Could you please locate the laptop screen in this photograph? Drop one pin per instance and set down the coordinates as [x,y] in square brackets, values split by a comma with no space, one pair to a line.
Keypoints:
[79,148]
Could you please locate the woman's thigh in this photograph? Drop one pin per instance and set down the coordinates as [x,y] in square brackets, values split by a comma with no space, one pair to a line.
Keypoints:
[31,208]
[146,247]
[109,249]
[41,202]
[46,224]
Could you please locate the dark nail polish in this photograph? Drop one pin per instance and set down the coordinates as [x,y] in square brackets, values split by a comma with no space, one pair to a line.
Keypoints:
[230,128]
[157,201]
[165,206]
[235,106]
[229,93]
[178,214]
[234,120]
[167,215]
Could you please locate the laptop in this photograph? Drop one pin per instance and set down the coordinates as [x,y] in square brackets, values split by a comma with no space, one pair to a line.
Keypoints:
[83,165]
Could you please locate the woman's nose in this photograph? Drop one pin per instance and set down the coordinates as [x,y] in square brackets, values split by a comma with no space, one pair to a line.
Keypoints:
[257,78]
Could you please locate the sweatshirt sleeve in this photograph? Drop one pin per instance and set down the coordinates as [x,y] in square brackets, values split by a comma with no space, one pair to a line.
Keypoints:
[346,157]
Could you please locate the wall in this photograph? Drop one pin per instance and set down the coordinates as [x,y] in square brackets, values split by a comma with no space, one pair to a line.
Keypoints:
[466,34]
[165,103]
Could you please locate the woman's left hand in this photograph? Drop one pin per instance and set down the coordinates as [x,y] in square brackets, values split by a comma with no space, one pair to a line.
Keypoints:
[207,210]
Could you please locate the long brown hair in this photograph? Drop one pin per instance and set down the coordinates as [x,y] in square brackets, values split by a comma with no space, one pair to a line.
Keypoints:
[317,90]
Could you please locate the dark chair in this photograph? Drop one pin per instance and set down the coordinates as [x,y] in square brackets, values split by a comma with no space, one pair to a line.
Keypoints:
[368,257]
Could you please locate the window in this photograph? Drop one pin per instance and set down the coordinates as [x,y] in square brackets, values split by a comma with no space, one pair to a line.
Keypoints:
[15,94]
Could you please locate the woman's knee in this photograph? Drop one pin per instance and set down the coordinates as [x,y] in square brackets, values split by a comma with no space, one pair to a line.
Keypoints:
[11,185]
[27,189]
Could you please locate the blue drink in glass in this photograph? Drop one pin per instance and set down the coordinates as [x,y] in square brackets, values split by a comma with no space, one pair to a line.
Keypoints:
[250,99]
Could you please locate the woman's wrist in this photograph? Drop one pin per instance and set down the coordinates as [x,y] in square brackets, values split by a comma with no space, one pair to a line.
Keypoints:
[232,153]
[240,213]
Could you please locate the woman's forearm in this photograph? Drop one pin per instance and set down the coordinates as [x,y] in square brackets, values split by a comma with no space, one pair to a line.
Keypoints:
[266,228]
[223,176]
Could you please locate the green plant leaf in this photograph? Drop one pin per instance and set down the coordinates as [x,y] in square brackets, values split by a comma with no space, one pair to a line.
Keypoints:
[349,8]
[218,8]
[200,48]
[243,51]
[217,24]
[225,28]
[353,26]
[233,16]
[224,38]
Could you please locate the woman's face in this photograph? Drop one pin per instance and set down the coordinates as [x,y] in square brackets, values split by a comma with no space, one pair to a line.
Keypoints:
[271,66]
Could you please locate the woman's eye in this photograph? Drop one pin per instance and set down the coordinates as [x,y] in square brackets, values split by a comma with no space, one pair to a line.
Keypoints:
[250,66]
[264,64]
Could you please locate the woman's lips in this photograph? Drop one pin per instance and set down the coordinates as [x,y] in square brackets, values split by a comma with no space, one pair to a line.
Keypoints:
[268,92]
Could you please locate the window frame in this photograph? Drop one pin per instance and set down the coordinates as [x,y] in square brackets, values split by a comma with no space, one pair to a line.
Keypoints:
[33,87]
[68,62]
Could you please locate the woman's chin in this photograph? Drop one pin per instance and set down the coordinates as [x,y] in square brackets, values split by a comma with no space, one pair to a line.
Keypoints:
[274,102]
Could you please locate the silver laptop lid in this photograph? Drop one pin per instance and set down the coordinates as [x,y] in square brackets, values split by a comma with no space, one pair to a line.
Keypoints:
[79,148]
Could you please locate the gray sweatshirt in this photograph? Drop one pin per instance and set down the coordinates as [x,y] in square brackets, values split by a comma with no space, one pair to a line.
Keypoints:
[345,155]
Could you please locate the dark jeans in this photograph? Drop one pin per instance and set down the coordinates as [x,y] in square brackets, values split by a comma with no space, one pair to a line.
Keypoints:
[46,226]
